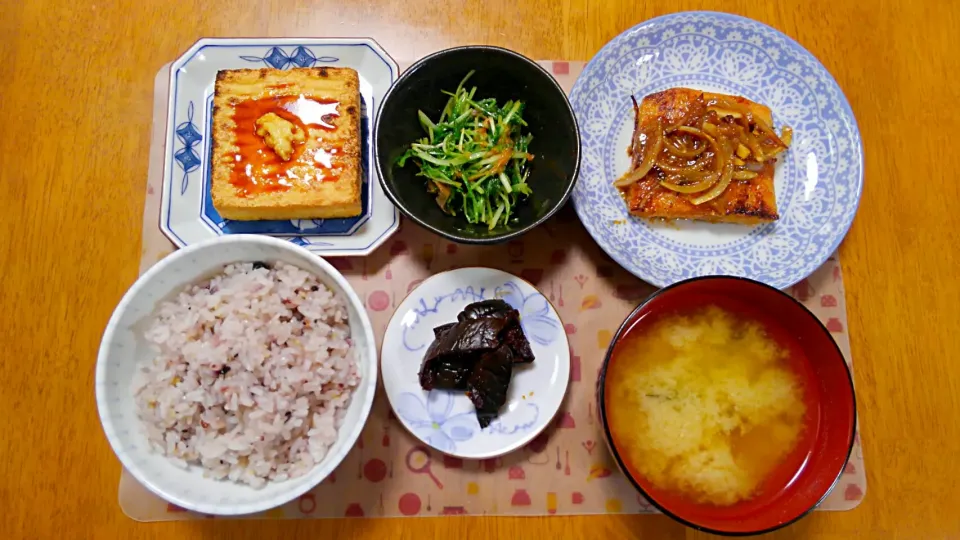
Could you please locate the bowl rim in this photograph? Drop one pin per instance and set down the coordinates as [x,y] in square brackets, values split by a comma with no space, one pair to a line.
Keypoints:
[129,462]
[507,235]
[602,408]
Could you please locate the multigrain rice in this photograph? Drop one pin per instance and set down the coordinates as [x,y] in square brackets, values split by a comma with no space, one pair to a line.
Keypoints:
[252,375]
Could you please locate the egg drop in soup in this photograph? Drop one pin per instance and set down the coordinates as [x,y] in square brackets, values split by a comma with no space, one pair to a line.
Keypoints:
[709,405]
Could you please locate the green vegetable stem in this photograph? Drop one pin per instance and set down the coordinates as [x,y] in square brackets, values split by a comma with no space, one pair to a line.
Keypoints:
[474,157]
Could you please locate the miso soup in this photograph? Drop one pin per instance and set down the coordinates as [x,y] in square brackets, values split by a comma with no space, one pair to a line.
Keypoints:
[710,404]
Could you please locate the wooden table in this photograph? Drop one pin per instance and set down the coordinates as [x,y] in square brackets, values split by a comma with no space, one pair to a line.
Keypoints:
[75,102]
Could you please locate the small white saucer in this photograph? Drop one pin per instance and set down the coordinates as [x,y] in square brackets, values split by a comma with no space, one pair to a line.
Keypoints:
[445,420]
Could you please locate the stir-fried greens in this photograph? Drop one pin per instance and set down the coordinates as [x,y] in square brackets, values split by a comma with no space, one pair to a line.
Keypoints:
[474,157]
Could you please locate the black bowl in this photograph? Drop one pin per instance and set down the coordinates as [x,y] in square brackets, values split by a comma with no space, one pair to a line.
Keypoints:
[500,74]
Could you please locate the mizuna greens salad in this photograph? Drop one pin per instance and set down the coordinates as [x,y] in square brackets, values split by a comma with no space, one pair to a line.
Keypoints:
[474,157]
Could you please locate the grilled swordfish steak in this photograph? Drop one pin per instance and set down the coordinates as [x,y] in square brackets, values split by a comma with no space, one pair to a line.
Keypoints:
[702,156]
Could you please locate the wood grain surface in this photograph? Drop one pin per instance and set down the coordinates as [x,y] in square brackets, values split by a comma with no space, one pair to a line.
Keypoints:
[75,98]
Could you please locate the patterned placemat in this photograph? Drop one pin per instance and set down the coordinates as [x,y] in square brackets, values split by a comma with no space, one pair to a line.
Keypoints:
[567,469]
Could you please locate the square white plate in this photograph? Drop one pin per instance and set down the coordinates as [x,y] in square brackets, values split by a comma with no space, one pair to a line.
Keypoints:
[187,215]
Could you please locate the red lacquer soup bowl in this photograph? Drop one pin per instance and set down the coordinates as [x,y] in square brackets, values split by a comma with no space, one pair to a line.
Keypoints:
[813,465]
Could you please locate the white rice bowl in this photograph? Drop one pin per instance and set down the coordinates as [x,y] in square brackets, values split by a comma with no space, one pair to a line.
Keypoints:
[252,374]
[230,389]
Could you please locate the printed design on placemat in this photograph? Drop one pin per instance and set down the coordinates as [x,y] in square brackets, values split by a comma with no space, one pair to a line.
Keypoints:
[537,321]
[569,459]
[378,479]
[418,461]
[187,156]
[302,56]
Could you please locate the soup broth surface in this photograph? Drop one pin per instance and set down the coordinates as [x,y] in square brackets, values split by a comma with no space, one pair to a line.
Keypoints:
[707,404]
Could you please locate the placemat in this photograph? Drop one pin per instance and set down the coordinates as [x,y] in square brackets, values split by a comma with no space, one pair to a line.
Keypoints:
[567,469]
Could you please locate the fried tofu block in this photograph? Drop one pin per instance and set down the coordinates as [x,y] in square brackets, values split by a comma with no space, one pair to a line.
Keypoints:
[286,144]
[744,201]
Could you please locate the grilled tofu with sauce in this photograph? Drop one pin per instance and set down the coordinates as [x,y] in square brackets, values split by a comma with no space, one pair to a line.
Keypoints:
[286,144]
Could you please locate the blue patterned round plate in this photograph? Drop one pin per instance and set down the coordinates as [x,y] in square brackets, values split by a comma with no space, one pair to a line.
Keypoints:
[818,182]
[446,420]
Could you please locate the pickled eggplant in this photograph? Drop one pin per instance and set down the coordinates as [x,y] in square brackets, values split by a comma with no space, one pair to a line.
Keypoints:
[477,354]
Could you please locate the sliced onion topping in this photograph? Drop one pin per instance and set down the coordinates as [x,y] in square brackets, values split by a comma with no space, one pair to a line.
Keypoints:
[652,145]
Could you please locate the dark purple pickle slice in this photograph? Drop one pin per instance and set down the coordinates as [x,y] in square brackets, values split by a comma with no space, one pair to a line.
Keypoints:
[513,335]
[489,383]
[450,358]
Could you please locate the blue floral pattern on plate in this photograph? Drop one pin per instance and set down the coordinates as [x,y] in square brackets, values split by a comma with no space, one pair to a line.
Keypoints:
[432,421]
[302,56]
[447,420]
[818,183]
[186,156]
[537,317]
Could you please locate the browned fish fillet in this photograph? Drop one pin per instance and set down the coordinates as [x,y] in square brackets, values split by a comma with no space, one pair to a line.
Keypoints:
[744,200]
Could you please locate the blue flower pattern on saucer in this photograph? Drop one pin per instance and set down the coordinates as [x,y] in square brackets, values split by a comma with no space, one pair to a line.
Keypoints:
[535,318]
[186,156]
[277,58]
[432,421]
[727,53]
[435,423]
[539,324]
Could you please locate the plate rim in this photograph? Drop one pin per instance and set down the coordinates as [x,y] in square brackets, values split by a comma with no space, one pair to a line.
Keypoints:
[534,433]
[847,109]
[166,166]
